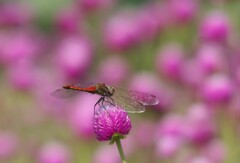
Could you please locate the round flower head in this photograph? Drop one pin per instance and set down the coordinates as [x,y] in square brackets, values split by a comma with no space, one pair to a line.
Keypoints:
[215,27]
[109,120]
[54,152]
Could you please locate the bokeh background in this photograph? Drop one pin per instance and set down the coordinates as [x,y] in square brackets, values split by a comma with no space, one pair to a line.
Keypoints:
[184,52]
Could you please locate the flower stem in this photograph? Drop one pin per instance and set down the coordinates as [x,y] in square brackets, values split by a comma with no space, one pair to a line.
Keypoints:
[119,146]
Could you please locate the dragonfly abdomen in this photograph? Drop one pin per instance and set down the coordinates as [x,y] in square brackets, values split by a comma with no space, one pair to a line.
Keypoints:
[88,89]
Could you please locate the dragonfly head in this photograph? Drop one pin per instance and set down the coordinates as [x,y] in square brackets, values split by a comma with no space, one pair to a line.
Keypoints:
[110,91]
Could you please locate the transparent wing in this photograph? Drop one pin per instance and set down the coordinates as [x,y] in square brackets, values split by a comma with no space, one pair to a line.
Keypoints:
[133,101]
[124,99]
[144,98]
[128,104]
[65,93]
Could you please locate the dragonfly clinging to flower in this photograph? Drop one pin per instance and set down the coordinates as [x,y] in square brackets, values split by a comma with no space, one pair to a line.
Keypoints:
[130,101]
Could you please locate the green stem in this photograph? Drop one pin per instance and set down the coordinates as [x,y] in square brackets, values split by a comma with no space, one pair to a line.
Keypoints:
[119,145]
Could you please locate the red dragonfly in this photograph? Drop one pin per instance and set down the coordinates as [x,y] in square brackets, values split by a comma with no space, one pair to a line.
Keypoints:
[130,101]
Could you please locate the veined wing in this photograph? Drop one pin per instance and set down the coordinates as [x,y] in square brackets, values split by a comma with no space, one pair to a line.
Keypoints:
[133,101]
[123,99]
[144,98]
[65,93]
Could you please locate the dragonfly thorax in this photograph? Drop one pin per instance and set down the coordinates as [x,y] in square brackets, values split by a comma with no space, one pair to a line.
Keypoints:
[105,90]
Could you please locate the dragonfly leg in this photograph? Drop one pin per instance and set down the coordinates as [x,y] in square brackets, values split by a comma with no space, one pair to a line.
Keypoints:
[110,100]
[98,103]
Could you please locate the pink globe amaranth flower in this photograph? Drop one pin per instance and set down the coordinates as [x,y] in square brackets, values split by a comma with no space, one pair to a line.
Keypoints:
[215,27]
[68,21]
[14,14]
[215,150]
[54,152]
[184,11]
[18,46]
[121,32]
[22,76]
[151,20]
[193,75]
[149,83]
[110,120]
[169,61]
[199,128]
[168,145]
[74,56]
[8,144]
[94,5]
[113,70]
[217,88]
[211,58]
[171,124]
[169,135]
[81,116]
[199,159]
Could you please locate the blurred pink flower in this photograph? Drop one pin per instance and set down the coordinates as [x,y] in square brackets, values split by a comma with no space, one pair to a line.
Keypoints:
[217,88]
[216,151]
[81,116]
[54,152]
[68,21]
[121,32]
[193,75]
[168,145]
[184,11]
[199,128]
[211,58]
[149,83]
[74,55]
[199,159]
[199,112]
[106,154]
[170,61]
[171,125]
[94,5]
[169,135]
[113,70]
[18,46]
[22,76]
[215,27]
[14,14]
[8,144]
[151,20]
